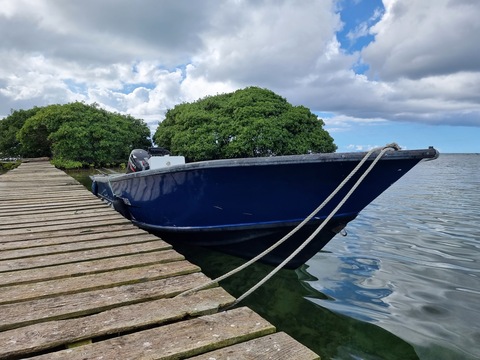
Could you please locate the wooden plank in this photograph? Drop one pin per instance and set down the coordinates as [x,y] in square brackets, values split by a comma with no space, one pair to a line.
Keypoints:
[110,220]
[46,209]
[101,244]
[278,346]
[43,336]
[46,184]
[44,178]
[93,302]
[71,219]
[16,221]
[33,194]
[87,267]
[50,177]
[191,337]
[38,193]
[46,204]
[68,221]
[25,198]
[64,233]
[103,280]
[40,174]
[119,233]
[77,256]
[35,172]
[86,204]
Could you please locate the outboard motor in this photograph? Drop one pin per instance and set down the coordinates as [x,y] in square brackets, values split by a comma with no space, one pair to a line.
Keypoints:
[138,161]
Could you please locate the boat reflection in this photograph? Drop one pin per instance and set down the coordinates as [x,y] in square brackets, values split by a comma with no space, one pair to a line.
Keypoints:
[292,304]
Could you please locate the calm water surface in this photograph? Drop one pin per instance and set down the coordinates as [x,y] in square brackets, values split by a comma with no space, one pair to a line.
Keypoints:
[403,284]
[411,261]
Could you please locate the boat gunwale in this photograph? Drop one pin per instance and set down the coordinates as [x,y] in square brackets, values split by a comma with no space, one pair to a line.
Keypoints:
[420,154]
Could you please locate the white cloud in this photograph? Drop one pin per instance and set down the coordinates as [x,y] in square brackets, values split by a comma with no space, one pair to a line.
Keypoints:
[415,39]
[357,147]
[340,123]
[144,59]
[361,30]
[267,42]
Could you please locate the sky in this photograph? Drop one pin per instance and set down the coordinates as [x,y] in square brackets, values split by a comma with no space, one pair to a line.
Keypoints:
[376,72]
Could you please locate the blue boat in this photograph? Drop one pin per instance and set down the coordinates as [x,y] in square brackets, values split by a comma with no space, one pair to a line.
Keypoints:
[243,206]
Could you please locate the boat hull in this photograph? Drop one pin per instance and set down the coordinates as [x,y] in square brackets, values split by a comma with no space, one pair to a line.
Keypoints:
[249,241]
[243,206]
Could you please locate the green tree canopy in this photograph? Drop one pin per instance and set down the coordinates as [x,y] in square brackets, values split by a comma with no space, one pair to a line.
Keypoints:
[10,146]
[73,132]
[250,122]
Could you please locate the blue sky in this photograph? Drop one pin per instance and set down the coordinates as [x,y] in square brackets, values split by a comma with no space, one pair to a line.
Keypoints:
[404,71]
[357,17]
[445,138]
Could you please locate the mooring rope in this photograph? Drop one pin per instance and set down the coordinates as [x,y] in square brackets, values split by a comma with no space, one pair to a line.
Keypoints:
[383,150]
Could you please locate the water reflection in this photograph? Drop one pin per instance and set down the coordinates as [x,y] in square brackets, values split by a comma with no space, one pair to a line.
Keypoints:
[350,285]
[289,300]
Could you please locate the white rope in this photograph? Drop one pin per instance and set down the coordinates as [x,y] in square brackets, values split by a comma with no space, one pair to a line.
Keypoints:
[315,233]
[298,227]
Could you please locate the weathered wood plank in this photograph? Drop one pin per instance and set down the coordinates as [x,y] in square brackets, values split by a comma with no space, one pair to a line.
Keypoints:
[34,338]
[77,256]
[20,241]
[34,195]
[56,203]
[40,172]
[28,165]
[42,209]
[40,185]
[83,283]
[81,304]
[46,192]
[36,175]
[12,204]
[99,243]
[66,224]
[88,267]
[25,199]
[72,220]
[120,235]
[17,221]
[108,220]
[192,337]
[278,346]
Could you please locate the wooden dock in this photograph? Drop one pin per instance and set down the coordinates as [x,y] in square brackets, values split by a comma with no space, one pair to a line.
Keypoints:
[78,281]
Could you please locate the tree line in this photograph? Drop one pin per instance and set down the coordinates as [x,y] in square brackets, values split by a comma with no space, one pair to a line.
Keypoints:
[72,135]
[250,122]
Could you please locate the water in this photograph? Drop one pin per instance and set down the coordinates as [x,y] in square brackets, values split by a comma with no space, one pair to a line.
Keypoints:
[410,264]
[403,284]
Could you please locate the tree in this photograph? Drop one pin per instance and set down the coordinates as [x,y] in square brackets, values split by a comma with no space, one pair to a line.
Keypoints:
[10,146]
[80,133]
[250,122]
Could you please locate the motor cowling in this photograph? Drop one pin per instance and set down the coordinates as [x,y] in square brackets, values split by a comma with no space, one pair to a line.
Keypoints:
[138,161]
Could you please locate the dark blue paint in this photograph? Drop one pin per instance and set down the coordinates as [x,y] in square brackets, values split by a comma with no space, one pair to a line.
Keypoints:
[243,206]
